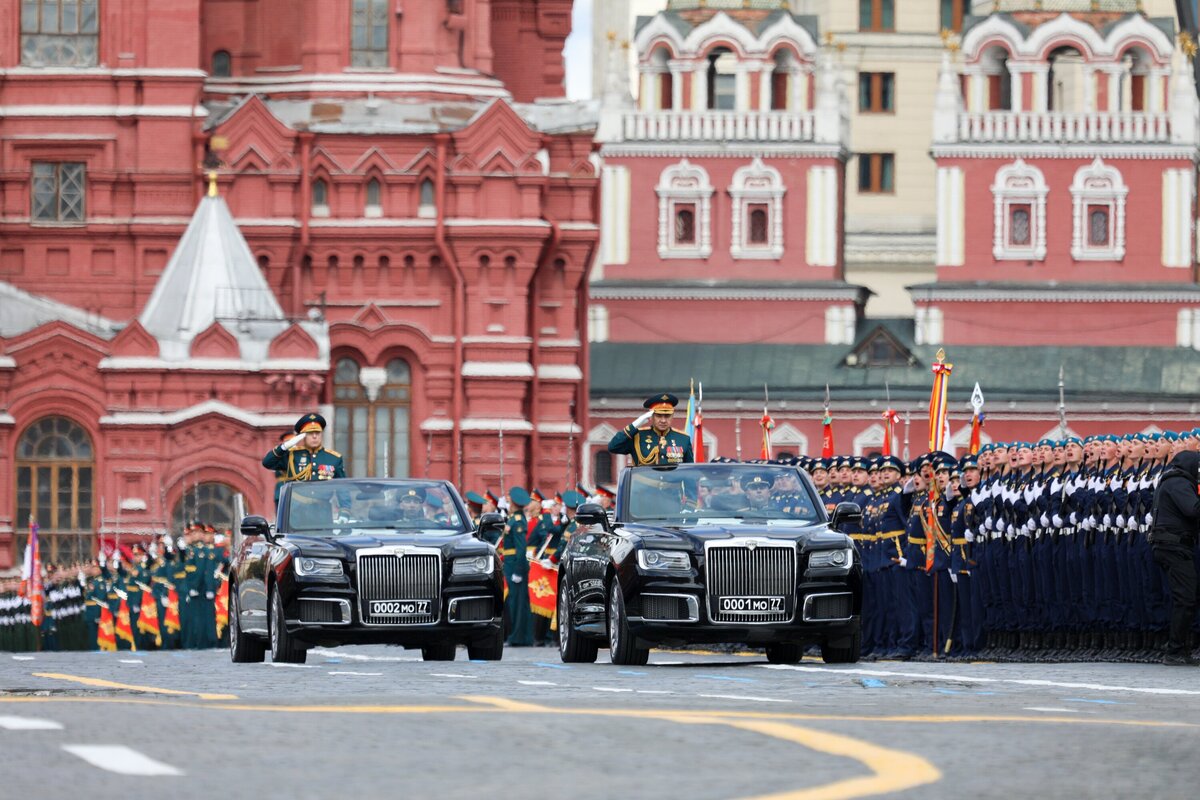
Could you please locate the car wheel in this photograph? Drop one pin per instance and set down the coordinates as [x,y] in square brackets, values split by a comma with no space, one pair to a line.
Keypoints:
[784,653]
[572,648]
[243,648]
[846,654]
[621,645]
[442,651]
[284,648]
[491,649]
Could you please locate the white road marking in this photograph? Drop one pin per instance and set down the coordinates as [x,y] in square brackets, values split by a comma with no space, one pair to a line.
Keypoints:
[537,683]
[364,674]
[132,661]
[29,724]
[1052,710]
[22,658]
[120,759]
[653,691]
[293,666]
[666,663]
[323,651]
[745,697]
[948,678]
[612,689]
[453,675]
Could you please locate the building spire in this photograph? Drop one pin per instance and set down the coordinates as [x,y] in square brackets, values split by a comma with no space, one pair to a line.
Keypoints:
[212,183]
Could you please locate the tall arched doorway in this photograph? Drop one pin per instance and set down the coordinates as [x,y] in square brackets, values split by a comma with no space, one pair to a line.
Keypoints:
[206,503]
[55,488]
[371,418]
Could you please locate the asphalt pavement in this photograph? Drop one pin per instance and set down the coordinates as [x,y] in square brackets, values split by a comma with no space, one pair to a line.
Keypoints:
[366,722]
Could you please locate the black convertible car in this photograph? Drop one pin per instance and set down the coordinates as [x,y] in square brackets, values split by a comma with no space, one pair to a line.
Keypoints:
[711,553]
[373,561]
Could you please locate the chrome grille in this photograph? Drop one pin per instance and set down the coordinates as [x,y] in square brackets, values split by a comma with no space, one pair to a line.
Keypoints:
[321,611]
[760,572]
[826,607]
[471,609]
[399,577]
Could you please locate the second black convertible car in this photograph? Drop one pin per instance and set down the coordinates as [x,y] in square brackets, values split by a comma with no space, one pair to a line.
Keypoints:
[373,561]
[711,553]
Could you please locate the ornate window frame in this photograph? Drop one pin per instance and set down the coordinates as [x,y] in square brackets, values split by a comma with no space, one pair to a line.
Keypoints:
[1098,184]
[757,184]
[684,183]
[1019,184]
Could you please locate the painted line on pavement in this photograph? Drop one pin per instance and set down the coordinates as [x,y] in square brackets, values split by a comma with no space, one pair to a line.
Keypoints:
[121,760]
[537,683]
[29,724]
[654,691]
[612,689]
[550,666]
[103,684]
[22,658]
[132,661]
[1097,702]
[291,666]
[1052,710]
[631,672]
[452,675]
[331,653]
[725,678]
[363,674]
[1095,687]
[745,697]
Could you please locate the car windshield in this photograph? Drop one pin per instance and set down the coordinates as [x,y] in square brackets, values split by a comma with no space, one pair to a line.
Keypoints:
[706,494]
[346,507]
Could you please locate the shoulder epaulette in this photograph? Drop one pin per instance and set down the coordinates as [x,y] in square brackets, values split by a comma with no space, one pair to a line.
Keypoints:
[680,432]
[333,453]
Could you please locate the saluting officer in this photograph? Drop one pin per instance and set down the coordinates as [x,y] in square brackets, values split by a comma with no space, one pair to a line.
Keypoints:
[304,457]
[658,443]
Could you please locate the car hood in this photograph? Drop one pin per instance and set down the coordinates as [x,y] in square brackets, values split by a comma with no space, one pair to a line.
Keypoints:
[694,538]
[346,547]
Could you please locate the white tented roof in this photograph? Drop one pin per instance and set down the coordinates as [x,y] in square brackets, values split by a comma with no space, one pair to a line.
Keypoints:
[21,311]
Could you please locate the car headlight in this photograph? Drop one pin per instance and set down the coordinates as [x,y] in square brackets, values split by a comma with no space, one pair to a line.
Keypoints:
[664,561]
[834,559]
[472,565]
[318,567]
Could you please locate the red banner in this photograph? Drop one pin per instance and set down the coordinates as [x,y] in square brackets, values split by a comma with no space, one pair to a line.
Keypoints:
[106,637]
[976,433]
[221,603]
[938,402]
[171,612]
[148,618]
[124,628]
[827,437]
[890,420]
[543,589]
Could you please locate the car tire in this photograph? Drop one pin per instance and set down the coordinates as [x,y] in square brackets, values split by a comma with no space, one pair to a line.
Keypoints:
[284,647]
[243,648]
[491,649]
[848,654]
[572,647]
[622,647]
[442,651]
[784,653]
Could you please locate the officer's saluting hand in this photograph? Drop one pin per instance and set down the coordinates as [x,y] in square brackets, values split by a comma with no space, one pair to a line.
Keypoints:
[304,457]
[658,444]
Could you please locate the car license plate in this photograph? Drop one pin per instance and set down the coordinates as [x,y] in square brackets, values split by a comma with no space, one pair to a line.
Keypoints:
[400,608]
[750,605]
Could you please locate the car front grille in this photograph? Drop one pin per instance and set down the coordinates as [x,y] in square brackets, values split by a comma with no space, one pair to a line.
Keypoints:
[399,577]
[739,571]
[472,609]
[667,607]
[828,607]
[321,612]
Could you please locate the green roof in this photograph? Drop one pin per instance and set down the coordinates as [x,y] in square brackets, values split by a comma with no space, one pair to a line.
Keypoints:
[800,372]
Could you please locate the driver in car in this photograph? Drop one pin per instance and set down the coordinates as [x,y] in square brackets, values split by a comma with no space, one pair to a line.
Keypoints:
[758,494]
[411,505]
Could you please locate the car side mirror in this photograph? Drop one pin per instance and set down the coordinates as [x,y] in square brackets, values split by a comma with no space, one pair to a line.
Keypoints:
[846,513]
[490,522]
[255,525]
[592,514]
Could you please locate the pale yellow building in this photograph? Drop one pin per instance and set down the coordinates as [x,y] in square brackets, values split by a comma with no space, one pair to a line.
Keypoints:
[889,52]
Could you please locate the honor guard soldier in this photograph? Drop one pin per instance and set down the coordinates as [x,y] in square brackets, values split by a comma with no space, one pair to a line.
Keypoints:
[658,443]
[303,457]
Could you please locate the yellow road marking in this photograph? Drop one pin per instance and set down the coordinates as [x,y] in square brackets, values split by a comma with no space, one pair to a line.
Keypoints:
[100,682]
[504,704]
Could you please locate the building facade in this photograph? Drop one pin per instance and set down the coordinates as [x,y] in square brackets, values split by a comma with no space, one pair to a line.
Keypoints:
[404,220]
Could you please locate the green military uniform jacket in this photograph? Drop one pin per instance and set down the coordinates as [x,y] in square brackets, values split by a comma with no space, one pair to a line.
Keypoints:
[302,464]
[650,448]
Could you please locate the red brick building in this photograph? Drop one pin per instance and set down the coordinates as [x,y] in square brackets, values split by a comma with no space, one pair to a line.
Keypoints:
[406,216]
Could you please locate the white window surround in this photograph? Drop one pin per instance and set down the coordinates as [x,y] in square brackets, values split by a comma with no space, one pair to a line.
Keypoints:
[1098,184]
[1019,183]
[785,437]
[929,325]
[870,438]
[684,183]
[1188,328]
[840,323]
[757,183]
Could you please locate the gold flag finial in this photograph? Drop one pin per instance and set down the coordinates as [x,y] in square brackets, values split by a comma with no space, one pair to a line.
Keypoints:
[941,354]
[1187,44]
[212,183]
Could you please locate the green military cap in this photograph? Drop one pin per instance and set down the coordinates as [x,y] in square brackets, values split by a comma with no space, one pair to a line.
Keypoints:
[475,498]
[572,498]
[520,496]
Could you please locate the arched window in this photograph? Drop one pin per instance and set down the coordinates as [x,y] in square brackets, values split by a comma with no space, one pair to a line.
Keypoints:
[1098,194]
[722,80]
[55,472]
[758,224]
[1019,196]
[372,408]
[426,205]
[757,192]
[369,33]
[222,66]
[320,198]
[374,198]
[684,202]
[206,503]
[602,467]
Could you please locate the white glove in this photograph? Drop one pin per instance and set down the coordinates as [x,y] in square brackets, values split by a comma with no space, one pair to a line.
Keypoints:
[1107,520]
[1120,520]
[1009,530]
[1030,525]
[989,524]
[547,563]
[902,561]
[209,595]
[1149,519]
[516,579]
[969,536]
[953,576]
[1057,520]
[643,419]
[1074,518]
[1045,520]
[292,442]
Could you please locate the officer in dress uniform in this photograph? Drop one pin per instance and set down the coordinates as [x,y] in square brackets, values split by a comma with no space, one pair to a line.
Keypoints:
[516,569]
[657,443]
[304,457]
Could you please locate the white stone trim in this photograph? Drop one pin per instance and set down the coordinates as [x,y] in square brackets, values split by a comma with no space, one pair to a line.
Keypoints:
[961,440]
[559,427]
[172,418]
[929,325]
[559,372]
[840,322]
[598,323]
[785,436]
[67,110]
[721,26]
[615,193]
[1188,328]
[757,183]
[497,369]
[1098,184]
[822,217]
[684,183]
[761,149]
[814,293]
[869,437]
[1178,187]
[488,424]
[8,362]
[1019,182]
[951,216]
[7,419]
[1054,150]
[1064,27]
[214,364]
[1050,294]
[436,424]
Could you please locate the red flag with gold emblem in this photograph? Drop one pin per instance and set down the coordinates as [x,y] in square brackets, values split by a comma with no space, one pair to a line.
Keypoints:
[171,612]
[221,603]
[106,637]
[148,619]
[543,589]
[124,629]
